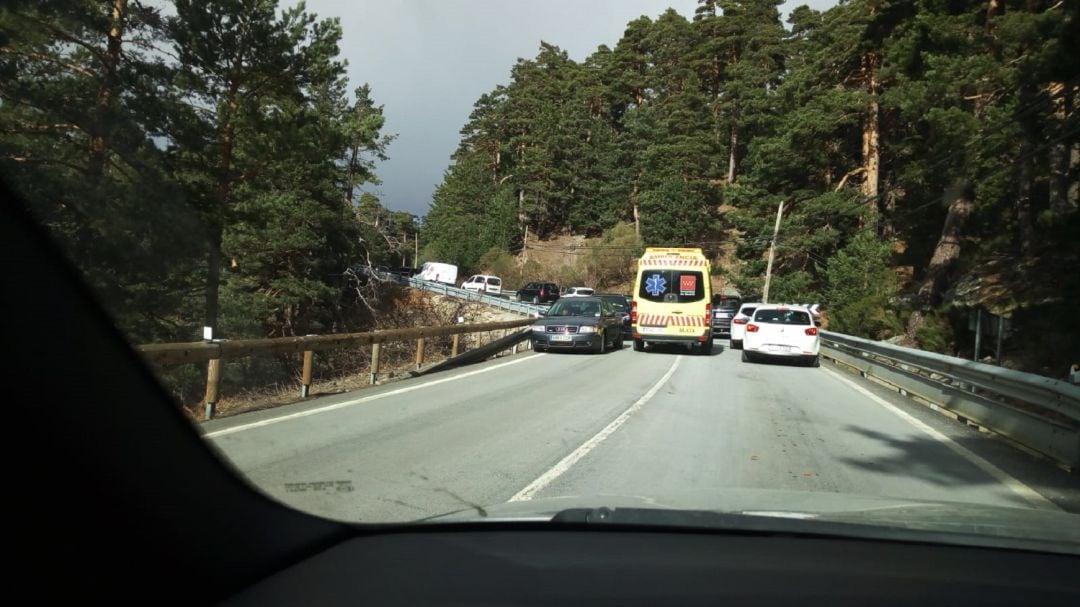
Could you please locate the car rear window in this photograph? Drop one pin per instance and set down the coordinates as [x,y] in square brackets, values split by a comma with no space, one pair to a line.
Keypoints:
[726,303]
[783,317]
[672,286]
[494,281]
[748,311]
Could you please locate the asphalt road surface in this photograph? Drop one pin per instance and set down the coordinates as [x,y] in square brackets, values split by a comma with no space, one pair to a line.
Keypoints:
[624,423]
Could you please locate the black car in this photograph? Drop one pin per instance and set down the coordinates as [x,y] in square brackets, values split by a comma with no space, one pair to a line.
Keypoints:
[724,308]
[579,323]
[539,292]
[622,305]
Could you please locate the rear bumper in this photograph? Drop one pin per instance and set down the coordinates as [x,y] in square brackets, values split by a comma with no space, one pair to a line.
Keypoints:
[760,350]
[659,338]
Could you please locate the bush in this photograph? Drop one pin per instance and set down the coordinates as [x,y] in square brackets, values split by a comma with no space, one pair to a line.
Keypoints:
[613,260]
[860,285]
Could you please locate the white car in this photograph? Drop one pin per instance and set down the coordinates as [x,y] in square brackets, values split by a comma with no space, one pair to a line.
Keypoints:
[783,332]
[738,324]
[579,292]
[483,283]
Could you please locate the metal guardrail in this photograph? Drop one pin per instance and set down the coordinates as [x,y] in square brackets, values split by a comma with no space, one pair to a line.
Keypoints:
[525,309]
[1037,412]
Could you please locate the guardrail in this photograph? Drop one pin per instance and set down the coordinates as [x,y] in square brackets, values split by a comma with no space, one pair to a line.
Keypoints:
[213,352]
[526,309]
[1037,412]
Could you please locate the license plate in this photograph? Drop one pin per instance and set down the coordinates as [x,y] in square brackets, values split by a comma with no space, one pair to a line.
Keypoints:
[561,338]
[651,330]
[775,348]
[719,315]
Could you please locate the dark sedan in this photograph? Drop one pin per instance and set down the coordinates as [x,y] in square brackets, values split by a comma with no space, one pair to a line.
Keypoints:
[622,305]
[724,309]
[579,323]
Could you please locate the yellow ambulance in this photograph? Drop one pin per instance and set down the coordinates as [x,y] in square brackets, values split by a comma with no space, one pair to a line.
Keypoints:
[672,299]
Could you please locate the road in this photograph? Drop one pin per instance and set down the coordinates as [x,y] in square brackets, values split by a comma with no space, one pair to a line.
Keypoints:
[625,423]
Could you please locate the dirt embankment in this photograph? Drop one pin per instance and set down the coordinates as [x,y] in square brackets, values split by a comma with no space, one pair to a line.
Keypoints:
[264,382]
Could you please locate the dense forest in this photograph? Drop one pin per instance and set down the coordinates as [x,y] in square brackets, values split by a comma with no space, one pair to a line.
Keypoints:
[204,163]
[925,151]
[201,162]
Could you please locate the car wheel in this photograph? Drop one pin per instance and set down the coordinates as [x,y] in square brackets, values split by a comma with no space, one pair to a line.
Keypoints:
[706,347]
[746,357]
[814,362]
[736,344]
[639,345]
[602,346]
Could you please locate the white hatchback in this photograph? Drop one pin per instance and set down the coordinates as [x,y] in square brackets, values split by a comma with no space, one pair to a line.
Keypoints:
[482,283]
[781,331]
[738,324]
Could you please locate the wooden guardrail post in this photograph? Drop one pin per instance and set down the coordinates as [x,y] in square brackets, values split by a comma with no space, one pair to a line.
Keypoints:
[419,352]
[375,350]
[305,378]
[213,381]
[455,344]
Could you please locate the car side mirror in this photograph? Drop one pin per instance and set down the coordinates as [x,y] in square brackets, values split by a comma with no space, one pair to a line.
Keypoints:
[817,323]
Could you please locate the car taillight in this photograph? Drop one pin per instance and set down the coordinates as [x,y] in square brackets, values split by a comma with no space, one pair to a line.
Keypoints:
[811,331]
[633,311]
[752,328]
[739,321]
[708,310]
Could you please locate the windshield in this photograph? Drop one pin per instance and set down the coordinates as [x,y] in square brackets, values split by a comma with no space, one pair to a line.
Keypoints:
[233,180]
[569,307]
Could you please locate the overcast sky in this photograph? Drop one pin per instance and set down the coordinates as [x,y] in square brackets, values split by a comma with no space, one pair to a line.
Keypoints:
[427,62]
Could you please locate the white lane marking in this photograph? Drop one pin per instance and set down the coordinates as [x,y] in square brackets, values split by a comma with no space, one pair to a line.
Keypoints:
[365,399]
[1014,485]
[567,462]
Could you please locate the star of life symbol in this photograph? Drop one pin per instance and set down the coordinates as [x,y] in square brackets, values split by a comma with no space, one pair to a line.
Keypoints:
[655,285]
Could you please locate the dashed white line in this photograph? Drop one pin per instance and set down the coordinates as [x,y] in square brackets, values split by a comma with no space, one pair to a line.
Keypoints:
[1030,495]
[365,399]
[567,462]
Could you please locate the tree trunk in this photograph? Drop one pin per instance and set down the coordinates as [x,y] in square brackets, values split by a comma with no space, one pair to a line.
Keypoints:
[945,255]
[1025,228]
[637,213]
[214,256]
[106,92]
[1062,158]
[993,8]
[352,171]
[213,278]
[731,154]
[871,136]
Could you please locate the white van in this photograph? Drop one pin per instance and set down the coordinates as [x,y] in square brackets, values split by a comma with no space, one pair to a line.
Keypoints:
[482,283]
[438,272]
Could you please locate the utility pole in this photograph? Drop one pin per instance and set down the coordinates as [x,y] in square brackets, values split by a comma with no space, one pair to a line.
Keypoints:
[416,249]
[772,253]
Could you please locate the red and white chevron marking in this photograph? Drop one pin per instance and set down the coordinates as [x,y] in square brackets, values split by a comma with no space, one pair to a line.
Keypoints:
[674,320]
